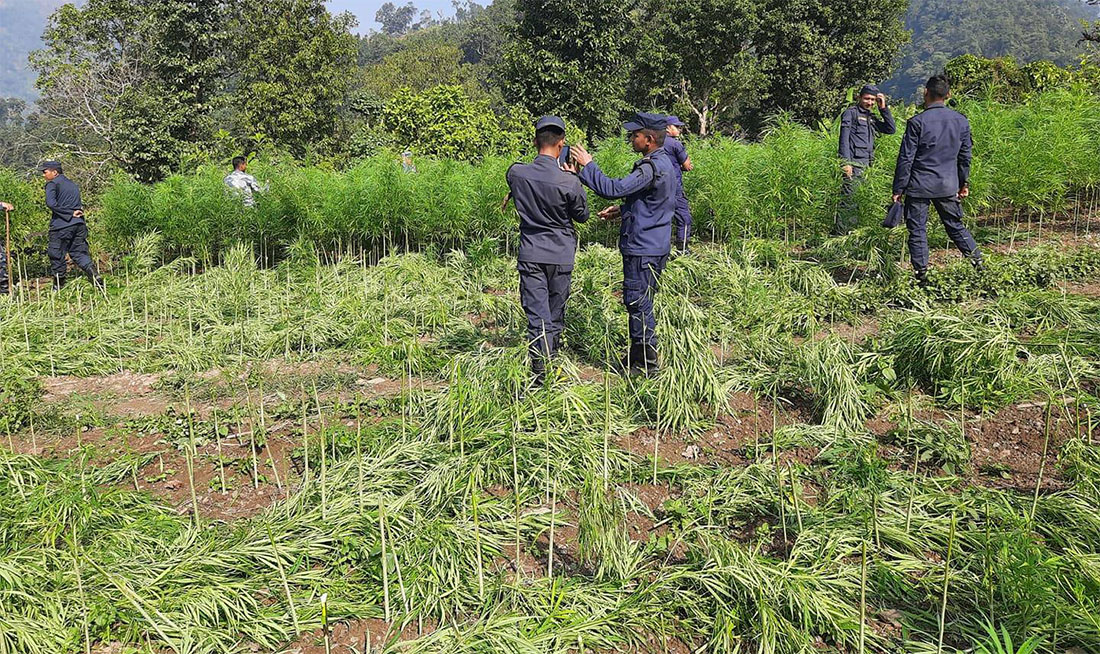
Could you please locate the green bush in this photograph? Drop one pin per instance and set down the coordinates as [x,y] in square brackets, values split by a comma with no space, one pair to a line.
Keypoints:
[1040,157]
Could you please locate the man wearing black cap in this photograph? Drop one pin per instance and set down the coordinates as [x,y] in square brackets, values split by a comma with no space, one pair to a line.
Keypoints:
[673,145]
[858,129]
[934,168]
[68,231]
[645,236]
[549,201]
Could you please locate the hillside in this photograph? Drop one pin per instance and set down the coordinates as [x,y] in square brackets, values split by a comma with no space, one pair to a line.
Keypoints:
[1025,29]
[21,25]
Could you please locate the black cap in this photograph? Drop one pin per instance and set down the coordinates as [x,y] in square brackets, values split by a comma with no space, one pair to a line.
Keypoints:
[549,121]
[642,120]
[869,89]
[49,165]
[675,120]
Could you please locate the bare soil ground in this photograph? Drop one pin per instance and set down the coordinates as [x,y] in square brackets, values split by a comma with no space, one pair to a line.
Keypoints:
[356,637]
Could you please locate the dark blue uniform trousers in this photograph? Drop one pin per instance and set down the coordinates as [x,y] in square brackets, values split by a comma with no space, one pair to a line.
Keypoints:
[640,278]
[847,215]
[3,269]
[916,220]
[543,292]
[682,218]
[73,241]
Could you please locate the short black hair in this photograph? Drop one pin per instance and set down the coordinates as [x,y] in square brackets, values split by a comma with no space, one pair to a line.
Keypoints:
[56,168]
[237,161]
[938,87]
[548,136]
[658,135]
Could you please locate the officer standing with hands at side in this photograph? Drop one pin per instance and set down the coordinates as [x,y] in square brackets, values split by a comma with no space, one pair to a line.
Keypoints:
[549,201]
[675,148]
[934,168]
[68,231]
[858,129]
[645,236]
[5,284]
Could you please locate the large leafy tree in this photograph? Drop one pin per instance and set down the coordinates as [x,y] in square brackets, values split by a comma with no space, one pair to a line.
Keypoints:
[810,51]
[291,72]
[130,82]
[573,57]
[395,19]
[419,66]
[444,121]
[702,60]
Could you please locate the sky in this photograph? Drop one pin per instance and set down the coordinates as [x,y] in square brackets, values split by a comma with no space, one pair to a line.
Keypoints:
[364,9]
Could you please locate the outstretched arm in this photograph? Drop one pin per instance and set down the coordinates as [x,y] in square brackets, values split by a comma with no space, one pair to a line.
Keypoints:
[609,188]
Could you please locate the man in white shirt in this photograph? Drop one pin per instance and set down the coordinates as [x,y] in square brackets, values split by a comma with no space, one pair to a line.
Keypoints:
[243,183]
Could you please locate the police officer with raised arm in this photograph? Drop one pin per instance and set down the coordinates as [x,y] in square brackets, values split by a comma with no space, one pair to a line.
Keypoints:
[675,147]
[549,201]
[934,169]
[858,129]
[645,236]
[68,231]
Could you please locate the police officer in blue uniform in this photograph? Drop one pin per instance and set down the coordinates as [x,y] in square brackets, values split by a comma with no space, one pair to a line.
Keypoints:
[858,129]
[934,169]
[68,231]
[549,201]
[676,149]
[645,236]
[4,283]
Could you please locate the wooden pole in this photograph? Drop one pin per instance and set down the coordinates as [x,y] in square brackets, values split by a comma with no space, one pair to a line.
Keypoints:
[7,250]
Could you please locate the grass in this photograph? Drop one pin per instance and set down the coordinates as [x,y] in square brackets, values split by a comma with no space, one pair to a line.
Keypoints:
[432,504]
[782,187]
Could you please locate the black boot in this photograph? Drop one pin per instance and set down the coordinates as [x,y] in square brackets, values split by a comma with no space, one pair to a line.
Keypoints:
[95,279]
[59,282]
[650,364]
[977,261]
[922,277]
[634,361]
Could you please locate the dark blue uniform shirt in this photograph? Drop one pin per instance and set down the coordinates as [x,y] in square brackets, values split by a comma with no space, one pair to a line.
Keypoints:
[679,153]
[934,161]
[63,198]
[858,129]
[649,202]
[549,200]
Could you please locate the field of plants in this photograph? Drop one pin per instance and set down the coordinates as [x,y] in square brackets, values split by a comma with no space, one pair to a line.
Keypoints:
[287,432]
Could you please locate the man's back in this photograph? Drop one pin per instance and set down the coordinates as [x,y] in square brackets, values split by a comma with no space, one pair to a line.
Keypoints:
[549,200]
[63,199]
[934,161]
[242,183]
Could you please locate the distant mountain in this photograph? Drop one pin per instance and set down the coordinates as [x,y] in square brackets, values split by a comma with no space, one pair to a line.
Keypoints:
[1025,29]
[21,26]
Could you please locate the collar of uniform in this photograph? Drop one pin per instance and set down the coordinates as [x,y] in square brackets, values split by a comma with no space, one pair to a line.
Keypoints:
[544,156]
[935,105]
[861,110]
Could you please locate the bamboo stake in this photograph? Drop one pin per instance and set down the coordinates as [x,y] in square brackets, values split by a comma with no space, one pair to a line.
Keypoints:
[385,561]
[1043,461]
[283,578]
[862,597]
[221,459]
[946,570]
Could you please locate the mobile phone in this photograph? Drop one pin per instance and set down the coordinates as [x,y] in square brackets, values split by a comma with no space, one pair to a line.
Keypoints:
[563,158]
